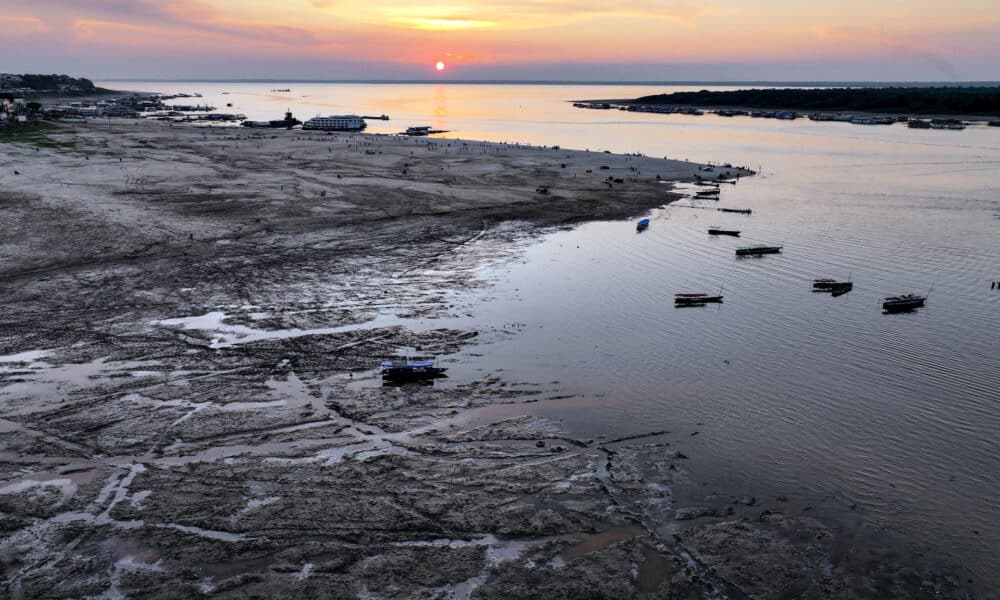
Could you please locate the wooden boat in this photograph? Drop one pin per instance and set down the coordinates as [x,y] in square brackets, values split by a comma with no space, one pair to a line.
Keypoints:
[904,303]
[716,230]
[642,225]
[742,211]
[832,285]
[695,299]
[410,370]
[757,250]
[840,288]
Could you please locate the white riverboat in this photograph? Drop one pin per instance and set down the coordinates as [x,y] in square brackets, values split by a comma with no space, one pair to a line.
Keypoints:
[336,123]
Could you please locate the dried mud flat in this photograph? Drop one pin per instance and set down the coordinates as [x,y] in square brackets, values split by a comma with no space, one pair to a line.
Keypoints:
[189,317]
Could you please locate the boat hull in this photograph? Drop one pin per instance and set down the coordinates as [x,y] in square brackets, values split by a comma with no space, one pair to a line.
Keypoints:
[898,307]
[412,374]
[903,304]
[758,251]
[693,299]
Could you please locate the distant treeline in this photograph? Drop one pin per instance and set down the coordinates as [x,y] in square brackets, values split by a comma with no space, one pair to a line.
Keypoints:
[901,100]
[53,84]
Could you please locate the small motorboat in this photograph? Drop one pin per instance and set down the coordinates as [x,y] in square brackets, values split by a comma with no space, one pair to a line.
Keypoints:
[715,230]
[757,250]
[904,303]
[642,225]
[410,370]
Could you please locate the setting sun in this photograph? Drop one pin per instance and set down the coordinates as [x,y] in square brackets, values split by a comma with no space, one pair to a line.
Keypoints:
[439,66]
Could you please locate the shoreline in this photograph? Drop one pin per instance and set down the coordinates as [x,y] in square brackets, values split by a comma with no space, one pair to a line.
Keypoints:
[803,112]
[192,319]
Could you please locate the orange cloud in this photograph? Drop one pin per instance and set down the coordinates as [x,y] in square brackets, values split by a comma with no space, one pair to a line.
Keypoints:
[21,26]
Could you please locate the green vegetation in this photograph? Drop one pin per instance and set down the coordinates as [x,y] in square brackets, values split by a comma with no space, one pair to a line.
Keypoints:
[35,134]
[60,85]
[892,100]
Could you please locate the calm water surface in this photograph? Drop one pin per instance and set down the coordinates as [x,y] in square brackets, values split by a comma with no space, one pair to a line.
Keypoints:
[794,392]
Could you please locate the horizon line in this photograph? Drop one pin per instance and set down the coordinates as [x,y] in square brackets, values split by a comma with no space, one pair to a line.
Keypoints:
[819,82]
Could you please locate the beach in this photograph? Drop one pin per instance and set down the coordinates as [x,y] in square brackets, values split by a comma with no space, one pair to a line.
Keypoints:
[187,312]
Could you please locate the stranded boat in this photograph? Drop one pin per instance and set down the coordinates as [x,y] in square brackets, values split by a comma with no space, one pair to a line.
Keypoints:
[642,225]
[757,250]
[408,370]
[904,303]
[422,130]
[947,124]
[715,230]
[288,122]
[336,123]
[742,211]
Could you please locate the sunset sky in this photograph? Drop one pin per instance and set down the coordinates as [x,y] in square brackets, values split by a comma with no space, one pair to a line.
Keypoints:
[649,40]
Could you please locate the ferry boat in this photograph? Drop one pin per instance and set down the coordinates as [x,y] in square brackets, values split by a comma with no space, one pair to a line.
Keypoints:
[288,122]
[336,123]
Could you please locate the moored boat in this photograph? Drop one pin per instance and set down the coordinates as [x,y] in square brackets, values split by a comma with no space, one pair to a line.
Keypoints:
[840,288]
[904,303]
[837,288]
[823,284]
[757,250]
[695,298]
[716,230]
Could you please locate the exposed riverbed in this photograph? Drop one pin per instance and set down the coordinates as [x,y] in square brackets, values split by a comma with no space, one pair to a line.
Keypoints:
[190,324]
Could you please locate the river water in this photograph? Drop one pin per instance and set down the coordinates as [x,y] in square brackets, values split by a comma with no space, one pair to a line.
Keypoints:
[793,393]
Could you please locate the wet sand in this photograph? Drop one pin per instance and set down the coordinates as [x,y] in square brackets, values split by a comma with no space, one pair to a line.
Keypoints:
[184,313]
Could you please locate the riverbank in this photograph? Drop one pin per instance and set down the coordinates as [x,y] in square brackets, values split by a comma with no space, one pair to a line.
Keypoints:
[191,322]
[910,101]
